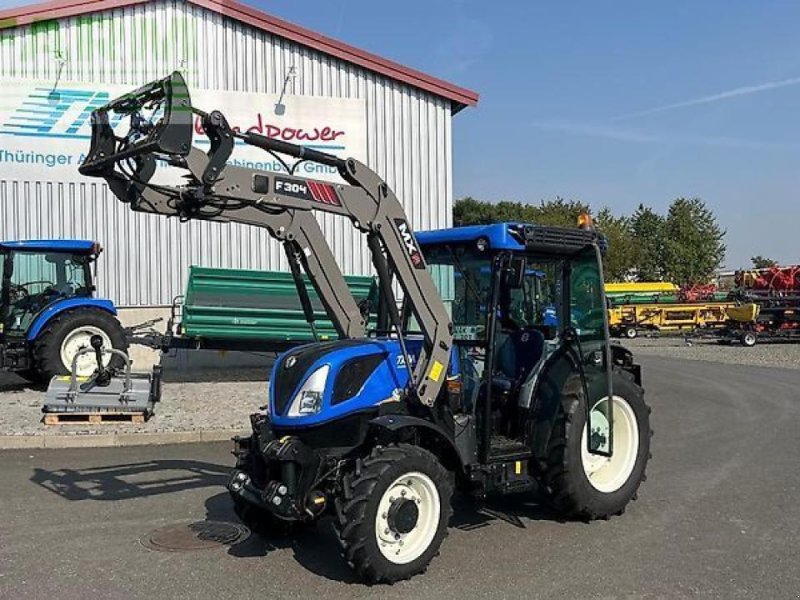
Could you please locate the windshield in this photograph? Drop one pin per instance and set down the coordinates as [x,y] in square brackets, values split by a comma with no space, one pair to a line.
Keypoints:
[40,278]
[464,280]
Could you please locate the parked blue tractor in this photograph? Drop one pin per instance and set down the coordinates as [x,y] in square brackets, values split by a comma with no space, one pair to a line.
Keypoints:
[48,311]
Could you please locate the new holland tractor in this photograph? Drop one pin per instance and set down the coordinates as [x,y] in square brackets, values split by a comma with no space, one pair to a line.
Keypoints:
[48,311]
[493,375]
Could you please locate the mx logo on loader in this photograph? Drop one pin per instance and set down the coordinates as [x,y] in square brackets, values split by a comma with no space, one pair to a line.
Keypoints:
[410,243]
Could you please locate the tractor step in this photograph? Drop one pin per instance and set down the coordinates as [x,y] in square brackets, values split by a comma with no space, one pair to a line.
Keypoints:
[503,449]
[95,418]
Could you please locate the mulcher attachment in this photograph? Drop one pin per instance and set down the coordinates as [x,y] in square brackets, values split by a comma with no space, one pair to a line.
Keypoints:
[106,390]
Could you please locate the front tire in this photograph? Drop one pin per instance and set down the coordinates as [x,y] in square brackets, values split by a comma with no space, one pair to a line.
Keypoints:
[393,513]
[631,332]
[587,486]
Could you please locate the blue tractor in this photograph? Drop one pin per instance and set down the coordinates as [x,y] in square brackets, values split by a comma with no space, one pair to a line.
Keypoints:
[492,372]
[48,311]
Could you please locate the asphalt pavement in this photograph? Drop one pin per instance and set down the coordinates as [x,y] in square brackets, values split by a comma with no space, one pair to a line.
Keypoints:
[718,517]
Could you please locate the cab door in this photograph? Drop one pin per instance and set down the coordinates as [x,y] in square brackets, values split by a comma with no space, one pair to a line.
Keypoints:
[5,290]
[589,322]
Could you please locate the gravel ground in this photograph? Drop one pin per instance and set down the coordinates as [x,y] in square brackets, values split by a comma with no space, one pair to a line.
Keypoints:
[222,401]
[786,355]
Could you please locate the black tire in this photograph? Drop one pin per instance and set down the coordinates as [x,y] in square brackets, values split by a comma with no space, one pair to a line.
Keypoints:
[47,347]
[748,339]
[631,332]
[565,482]
[258,520]
[357,510]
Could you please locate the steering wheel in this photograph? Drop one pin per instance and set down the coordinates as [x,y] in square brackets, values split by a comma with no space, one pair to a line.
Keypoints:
[24,292]
[18,292]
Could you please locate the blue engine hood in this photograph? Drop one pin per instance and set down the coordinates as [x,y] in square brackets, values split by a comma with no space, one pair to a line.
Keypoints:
[388,375]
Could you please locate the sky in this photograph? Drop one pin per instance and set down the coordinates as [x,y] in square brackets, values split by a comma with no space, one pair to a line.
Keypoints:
[614,104]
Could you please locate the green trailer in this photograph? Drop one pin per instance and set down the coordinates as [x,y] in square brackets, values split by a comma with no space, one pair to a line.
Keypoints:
[236,309]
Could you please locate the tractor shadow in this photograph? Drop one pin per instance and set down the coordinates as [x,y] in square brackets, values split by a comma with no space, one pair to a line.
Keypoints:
[132,480]
[9,382]
[314,546]
[470,513]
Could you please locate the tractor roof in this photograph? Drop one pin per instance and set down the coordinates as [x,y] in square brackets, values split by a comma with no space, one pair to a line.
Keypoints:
[498,235]
[75,246]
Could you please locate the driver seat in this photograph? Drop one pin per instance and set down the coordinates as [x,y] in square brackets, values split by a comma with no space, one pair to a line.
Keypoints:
[516,357]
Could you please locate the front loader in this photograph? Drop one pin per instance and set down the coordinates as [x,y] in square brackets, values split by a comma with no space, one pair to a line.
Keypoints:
[494,375]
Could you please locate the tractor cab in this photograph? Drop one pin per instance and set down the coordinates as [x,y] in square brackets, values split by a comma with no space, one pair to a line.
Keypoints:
[522,299]
[39,273]
[47,308]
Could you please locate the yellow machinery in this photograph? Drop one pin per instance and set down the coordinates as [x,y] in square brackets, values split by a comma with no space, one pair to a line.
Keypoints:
[744,313]
[641,287]
[629,319]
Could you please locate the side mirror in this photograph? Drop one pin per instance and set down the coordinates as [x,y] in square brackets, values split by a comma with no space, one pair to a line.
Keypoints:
[515,274]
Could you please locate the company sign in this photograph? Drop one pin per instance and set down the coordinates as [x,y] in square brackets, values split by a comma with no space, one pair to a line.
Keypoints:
[45,132]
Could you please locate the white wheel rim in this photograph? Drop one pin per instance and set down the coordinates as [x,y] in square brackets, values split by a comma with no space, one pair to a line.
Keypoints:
[608,474]
[78,339]
[403,548]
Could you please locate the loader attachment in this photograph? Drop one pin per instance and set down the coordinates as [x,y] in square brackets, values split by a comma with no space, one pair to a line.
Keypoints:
[160,116]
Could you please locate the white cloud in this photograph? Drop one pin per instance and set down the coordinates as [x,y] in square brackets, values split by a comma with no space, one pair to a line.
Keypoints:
[733,93]
[629,135]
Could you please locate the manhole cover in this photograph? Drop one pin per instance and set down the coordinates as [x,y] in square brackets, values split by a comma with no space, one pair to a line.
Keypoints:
[200,535]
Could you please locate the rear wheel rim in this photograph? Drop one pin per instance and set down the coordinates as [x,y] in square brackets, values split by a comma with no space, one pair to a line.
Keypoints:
[78,339]
[609,474]
[395,543]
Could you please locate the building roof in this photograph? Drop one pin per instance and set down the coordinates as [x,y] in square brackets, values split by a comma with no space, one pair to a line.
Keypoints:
[60,9]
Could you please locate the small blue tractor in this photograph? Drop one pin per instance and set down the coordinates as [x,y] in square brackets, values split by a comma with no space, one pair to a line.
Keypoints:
[492,374]
[48,311]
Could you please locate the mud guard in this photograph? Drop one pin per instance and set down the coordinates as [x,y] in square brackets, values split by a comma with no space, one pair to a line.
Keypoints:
[396,423]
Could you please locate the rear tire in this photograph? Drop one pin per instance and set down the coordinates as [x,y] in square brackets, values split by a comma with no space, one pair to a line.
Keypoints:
[631,333]
[393,513]
[65,332]
[585,486]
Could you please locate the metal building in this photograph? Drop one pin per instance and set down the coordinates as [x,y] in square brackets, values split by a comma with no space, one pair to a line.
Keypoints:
[218,45]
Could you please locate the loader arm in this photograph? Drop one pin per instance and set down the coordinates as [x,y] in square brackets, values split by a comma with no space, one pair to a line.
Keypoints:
[281,203]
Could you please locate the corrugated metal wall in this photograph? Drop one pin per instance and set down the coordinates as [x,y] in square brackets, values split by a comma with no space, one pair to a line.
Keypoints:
[147,257]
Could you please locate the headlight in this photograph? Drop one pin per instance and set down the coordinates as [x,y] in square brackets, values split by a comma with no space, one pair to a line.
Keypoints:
[308,400]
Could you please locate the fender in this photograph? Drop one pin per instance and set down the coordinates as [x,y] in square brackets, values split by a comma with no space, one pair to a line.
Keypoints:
[395,423]
[58,307]
[623,358]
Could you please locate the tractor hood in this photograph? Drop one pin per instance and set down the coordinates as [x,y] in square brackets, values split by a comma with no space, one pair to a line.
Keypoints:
[321,382]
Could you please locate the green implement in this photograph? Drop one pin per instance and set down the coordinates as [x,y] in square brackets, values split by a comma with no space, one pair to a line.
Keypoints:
[236,304]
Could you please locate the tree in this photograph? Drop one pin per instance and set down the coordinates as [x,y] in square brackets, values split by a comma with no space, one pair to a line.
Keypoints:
[560,212]
[468,211]
[647,229]
[621,258]
[761,262]
[692,240]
